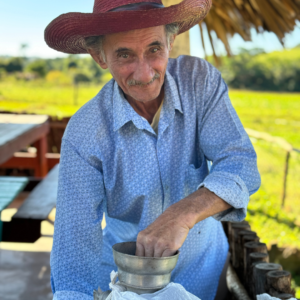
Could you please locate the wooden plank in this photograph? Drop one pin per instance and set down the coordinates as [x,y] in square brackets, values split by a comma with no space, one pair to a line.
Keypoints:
[41,200]
[20,131]
[10,187]
[30,161]
[13,131]
[15,186]
[4,179]
[23,119]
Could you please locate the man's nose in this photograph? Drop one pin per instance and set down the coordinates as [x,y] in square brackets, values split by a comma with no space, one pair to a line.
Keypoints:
[143,72]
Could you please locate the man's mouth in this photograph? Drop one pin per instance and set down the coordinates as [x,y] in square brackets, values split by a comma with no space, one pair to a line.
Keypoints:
[133,82]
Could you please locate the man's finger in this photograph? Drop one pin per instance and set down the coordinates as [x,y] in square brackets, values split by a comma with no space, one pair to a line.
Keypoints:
[140,250]
[158,252]
[168,252]
[149,251]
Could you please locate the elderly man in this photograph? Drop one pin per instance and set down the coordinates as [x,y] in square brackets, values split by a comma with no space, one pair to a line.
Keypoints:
[139,152]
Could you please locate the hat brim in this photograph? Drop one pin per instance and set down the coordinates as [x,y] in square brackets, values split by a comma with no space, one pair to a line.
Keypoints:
[66,33]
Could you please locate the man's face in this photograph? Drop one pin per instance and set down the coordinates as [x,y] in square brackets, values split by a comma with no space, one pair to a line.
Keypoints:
[137,60]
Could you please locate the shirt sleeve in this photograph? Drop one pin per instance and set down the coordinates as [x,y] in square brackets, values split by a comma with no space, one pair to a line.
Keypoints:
[234,175]
[77,241]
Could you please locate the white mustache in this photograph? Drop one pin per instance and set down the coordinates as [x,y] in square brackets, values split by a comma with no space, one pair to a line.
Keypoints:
[133,82]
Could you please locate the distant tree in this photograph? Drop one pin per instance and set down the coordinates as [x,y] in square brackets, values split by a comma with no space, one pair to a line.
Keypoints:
[15,64]
[2,72]
[38,67]
[275,71]
[79,77]
[72,64]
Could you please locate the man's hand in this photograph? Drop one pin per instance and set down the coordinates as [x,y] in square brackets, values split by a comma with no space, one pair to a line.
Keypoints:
[163,237]
[168,232]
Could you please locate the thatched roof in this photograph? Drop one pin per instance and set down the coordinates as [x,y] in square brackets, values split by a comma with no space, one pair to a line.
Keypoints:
[228,17]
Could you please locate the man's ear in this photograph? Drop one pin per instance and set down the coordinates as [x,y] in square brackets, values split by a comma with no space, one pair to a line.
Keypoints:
[172,39]
[97,58]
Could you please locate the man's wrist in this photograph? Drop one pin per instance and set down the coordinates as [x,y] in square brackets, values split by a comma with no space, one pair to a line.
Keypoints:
[198,206]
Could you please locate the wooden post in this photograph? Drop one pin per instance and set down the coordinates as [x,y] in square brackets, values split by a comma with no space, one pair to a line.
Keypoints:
[259,257]
[260,276]
[286,170]
[240,249]
[249,248]
[255,258]
[248,238]
[229,227]
[236,228]
[279,282]
[42,147]
[245,239]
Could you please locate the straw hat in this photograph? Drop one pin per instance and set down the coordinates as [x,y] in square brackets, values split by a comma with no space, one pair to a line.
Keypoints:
[66,33]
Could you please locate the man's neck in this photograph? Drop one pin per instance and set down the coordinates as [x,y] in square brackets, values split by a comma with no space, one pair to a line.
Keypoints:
[147,109]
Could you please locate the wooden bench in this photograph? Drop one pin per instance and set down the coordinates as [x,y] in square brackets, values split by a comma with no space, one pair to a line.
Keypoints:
[25,225]
[10,187]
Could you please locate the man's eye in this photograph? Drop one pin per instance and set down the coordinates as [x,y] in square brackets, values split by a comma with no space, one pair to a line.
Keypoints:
[154,50]
[124,55]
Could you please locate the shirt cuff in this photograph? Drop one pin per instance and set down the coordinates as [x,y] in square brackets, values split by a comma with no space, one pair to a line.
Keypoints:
[71,295]
[232,190]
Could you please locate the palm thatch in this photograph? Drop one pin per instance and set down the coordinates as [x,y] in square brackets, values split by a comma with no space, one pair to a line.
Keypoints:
[228,17]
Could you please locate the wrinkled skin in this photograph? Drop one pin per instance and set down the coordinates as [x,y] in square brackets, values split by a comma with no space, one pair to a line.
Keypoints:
[137,56]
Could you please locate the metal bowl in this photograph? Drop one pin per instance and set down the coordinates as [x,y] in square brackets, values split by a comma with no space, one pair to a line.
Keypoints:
[142,274]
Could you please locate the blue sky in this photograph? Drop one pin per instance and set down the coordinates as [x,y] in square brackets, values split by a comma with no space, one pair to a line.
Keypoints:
[24,22]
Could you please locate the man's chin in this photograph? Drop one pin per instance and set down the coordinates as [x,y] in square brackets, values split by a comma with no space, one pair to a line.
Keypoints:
[144,96]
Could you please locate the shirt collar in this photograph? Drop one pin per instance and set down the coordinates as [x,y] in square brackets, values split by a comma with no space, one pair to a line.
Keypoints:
[123,112]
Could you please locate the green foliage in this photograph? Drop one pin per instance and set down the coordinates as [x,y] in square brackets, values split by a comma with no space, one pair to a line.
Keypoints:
[70,67]
[38,67]
[276,71]
[14,64]
[79,77]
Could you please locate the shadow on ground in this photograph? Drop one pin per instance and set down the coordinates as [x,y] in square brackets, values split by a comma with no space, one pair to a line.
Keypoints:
[25,275]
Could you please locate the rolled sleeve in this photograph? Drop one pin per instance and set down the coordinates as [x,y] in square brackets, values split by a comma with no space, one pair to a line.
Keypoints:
[231,189]
[77,242]
[234,175]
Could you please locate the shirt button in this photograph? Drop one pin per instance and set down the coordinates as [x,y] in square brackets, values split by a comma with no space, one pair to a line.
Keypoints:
[167,187]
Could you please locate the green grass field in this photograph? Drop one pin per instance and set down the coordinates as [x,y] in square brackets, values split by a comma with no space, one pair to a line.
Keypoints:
[275,113]
[279,115]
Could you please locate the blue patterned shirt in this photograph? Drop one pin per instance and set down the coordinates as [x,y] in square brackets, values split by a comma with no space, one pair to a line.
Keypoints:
[113,162]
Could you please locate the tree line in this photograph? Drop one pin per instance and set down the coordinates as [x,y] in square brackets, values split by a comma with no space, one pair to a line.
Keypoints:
[256,70]
[250,69]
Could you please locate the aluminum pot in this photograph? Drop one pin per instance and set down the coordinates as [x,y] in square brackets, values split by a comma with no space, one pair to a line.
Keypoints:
[142,274]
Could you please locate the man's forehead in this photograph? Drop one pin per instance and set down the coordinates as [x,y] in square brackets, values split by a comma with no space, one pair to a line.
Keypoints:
[136,38]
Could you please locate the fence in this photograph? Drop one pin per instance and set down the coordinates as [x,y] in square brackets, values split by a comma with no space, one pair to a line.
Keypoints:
[282,143]
[250,272]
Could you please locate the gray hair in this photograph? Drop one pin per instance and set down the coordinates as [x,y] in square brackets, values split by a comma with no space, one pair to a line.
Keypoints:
[96,42]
